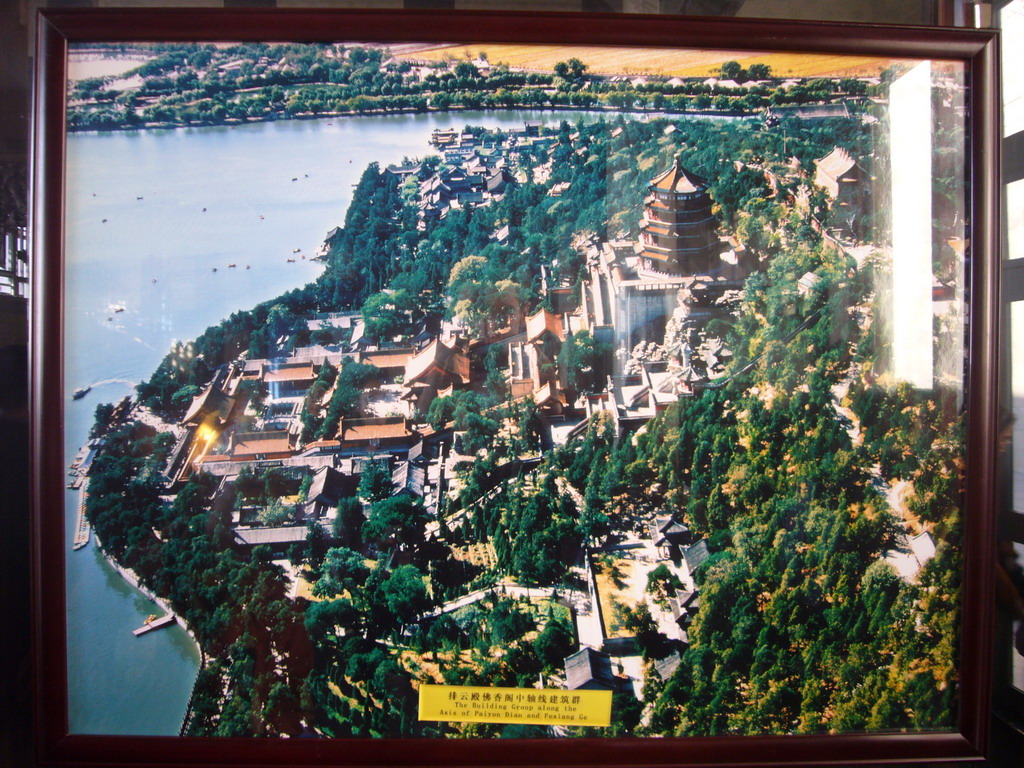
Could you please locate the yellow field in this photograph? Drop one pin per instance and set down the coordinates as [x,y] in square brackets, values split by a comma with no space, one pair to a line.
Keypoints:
[604,60]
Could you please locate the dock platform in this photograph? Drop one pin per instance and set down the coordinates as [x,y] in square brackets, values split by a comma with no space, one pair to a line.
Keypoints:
[82,527]
[160,623]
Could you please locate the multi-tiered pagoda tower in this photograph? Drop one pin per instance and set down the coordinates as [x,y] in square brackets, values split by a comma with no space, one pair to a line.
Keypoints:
[678,229]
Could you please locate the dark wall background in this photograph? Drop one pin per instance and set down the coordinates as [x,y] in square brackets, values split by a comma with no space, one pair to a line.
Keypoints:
[15,722]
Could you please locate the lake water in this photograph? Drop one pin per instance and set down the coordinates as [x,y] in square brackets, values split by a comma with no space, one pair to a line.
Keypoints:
[150,216]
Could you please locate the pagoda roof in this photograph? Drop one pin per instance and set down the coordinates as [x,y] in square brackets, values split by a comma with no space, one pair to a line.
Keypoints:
[678,179]
[650,253]
[657,228]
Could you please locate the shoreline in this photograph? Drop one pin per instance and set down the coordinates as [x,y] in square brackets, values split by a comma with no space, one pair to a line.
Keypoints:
[277,117]
[132,578]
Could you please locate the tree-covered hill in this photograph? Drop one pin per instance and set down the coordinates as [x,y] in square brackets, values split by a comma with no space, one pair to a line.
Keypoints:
[803,627]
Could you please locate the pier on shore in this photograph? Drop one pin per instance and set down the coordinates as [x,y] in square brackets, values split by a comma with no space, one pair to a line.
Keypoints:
[82,527]
[160,623]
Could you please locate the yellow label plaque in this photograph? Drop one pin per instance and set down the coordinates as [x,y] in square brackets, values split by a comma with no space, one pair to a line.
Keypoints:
[472,704]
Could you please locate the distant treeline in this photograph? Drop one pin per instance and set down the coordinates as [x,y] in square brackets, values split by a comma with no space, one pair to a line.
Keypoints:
[205,85]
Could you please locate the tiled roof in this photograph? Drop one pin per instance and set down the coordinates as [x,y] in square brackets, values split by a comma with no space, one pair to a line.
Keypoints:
[254,443]
[543,321]
[441,357]
[546,394]
[696,554]
[212,399]
[408,477]
[589,668]
[388,358]
[290,372]
[666,667]
[363,430]
[835,163]
[290,534]
[328,483]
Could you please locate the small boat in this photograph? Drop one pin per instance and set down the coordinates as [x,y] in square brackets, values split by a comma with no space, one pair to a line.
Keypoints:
[261,217]
[149,619]
[139,197]
[204,210]
[290,261]
[247,266]
[214,269]
[232,266]
[154,279]
[103,222]
[295,178]
[81,392]
[296,250]
[302,255]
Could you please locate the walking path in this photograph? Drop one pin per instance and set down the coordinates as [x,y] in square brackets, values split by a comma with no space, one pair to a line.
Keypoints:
[577,600]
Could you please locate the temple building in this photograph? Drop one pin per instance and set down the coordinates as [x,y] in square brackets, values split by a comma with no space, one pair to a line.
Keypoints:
[678,231]
[679,263]
[435,369]
[846,183]
[532,354]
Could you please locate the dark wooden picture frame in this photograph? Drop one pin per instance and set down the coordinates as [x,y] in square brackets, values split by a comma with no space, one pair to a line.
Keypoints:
[975,51]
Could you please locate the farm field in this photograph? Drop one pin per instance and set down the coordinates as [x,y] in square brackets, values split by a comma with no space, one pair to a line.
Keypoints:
[653,61]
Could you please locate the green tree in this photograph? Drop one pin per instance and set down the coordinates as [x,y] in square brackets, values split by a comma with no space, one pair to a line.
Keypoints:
[342,571]
[375,481]
[405,596]
[388,314]
[732,70]
[579,362]
[396,521]
[758,71]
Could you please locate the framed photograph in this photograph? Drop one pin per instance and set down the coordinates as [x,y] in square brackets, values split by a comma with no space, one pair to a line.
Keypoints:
[470,388]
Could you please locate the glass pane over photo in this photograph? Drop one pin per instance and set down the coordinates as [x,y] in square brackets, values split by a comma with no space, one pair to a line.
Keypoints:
[547,370]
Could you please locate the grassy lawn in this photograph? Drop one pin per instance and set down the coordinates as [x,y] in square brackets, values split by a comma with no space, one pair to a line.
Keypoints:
[612,591]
